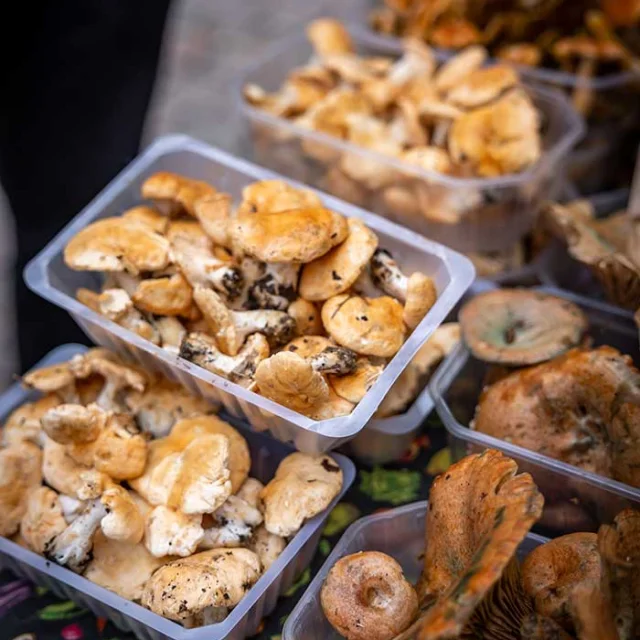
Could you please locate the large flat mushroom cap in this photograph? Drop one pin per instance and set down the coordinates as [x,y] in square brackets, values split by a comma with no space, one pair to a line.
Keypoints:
[520,327]
[216,578]
[117,244]
[368,326]
[338,269]
[49,379]
[297,235]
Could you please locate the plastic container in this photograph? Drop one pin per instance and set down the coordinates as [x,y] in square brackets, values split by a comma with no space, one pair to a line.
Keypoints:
[49,277]
[558,269]
[398,532]
[488,214]
[576,500]
[244,620]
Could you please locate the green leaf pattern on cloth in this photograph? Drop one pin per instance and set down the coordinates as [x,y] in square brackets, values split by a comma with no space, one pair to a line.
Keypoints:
[61,611]
[395,487]
[340,518]
[439,462]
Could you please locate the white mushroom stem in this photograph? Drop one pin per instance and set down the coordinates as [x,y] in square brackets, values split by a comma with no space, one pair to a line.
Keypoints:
[233,525]
[387,275]
[72,548]
[71,507]
[276,326]
[171,331]
[269,285]
[335,360]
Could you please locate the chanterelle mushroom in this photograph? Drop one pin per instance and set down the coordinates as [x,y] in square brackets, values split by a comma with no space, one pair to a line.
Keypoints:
[231,328]
[520,327]
[303,486]
[117,244]
[417,292]
[173,194]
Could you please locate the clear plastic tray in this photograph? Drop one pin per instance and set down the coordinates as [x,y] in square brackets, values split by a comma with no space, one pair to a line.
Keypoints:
[48,276]
[244,620]
[396,532]
[493,213]
[455,389]
[558,269]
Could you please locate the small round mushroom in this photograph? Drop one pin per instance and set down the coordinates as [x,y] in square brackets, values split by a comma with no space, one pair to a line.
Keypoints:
[337,270]
[173,194]
[24,424]
[366,596]
[328,37]
[202,349]
[299,235]
[520,327]
[43,519]
[117,244]
[231,328]
[417,292]
[172,533]
[302,487]
[70,423]
[267,545]
[166,296]
[306,316]
[216,578]
[368,326]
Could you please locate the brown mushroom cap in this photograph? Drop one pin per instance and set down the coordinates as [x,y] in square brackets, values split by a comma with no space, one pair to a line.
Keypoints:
[148,217]
[354,386]
[369,326]
[24,423]
[329,37]
[270,196]
[69,423]
[308,346]
[366,596]
[117,244]
[49,379]
[520,327]
[552,571]
[169,296]
[299,235]
[482,86]
[338,269]
[214,213]
[173,193]
[306,316]
[43,519]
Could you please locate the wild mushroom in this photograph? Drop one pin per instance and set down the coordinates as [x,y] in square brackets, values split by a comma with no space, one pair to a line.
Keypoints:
[329,37]
[231,525]
[231,328]
[23,424]
[20,472]
[299,236]
[57,378]
[166,296]
[417,292]
[116,305]
[273,196]
[552,571]
[148,217]
[70,423]
[172,533]
[173,194]
[214,214]
[202,350]
[187,587]
[366,596]
[354,386]
[580,408]
[302,487]
[368,326]
[43,519]
[171,331]
[451,73]
[117,244]
[520,327]
[267,545]
[482,86]
[306,316]
[72,547]
[124,522]
[267,286]
[337,270]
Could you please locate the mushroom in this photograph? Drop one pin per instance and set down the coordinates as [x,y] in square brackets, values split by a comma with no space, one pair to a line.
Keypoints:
[214,214]
[417,292]
[334,407]
[171,532]
[302,487]
[148,217]
[451,73]
[124,522]
[552,571]
[306,316]
[479,512]
[162,404]
[482,86]
[116,305]
[267,545]
[299,235]
[173,194]
[337,270]
[121,567]
[329,37]
[231,525]
[366,596]
[368,326]
[268,286]
[202,350]
[57,378]
[166,296]
[580,408]
[70,423]
[88,298]
[354,386]
[231,328]
[23,424]
[187,587]
[117,244]
[520,327]
[43,519]
[272,196]
[72,547]
[171,331]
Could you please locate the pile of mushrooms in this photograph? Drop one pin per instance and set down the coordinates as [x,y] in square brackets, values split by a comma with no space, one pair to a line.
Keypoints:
[127,479]
[460,119]
[583,586]
[278,294]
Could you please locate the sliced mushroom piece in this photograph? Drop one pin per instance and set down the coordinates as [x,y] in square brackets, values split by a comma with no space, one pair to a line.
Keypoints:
[267,545]
[124,522]
[302,487]
[202,350]
[328,36]
[307,317]
[24,424]
[337,270]
[70,423]
[214,214]
[368,326]
[172,332]
[354,386]
[173,194]
[269,286]
[272,196]
[172,533]
[57,378]
[43,519]
[168,296]
[117,244]
[116,305]
[299,236]
[20,472]
[417,292]
[520,327]
[231,525]
[217,578]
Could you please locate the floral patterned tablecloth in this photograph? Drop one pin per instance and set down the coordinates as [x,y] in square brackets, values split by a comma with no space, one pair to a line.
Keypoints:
[28,612]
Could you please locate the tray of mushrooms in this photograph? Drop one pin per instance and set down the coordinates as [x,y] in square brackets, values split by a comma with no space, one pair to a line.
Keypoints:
[550,379]
[124,492]
[287,307]
[459,151]
[465,565]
